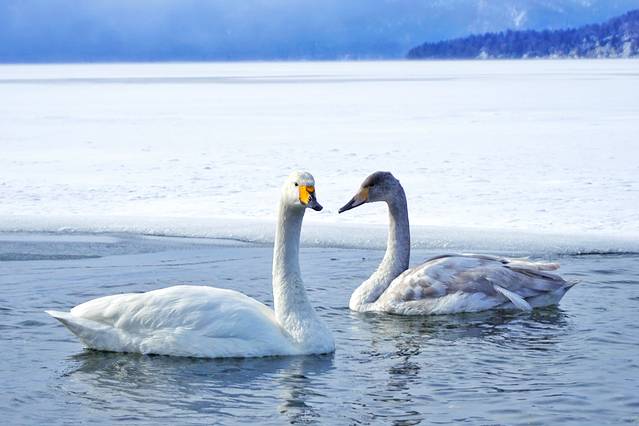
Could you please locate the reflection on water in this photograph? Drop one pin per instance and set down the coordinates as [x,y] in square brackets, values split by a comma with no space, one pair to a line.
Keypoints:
[196,385]
[572,364]
[460,326]
[530,331]
[421,349]
[298,390]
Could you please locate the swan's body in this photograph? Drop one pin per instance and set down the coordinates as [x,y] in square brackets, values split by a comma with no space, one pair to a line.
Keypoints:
[449,283]
[466,283]
[181,321]
[209,322]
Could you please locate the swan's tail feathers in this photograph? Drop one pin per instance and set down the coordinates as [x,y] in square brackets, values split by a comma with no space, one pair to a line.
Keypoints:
[59,315]
[88,331]
[547,266]
[570,284]
[515,299]
[535,266]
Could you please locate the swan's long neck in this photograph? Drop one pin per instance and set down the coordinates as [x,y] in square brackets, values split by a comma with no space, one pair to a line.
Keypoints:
[395,260]
[292,308]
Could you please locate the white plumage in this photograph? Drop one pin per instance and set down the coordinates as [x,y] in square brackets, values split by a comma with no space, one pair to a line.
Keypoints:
[210,322]
[180,320]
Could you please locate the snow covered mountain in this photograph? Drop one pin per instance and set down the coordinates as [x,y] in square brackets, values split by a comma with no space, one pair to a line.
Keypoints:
[618,37]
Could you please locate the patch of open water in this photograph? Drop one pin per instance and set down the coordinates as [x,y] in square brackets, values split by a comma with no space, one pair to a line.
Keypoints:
[574,364]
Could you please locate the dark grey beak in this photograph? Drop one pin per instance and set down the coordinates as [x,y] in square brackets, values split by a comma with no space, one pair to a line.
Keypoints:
[356,201]
[313,204]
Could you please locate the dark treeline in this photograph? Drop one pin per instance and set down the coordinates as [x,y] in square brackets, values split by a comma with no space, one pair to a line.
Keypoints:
[618,37]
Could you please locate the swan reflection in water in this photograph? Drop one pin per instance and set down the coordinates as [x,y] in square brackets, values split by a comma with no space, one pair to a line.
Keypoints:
[134,385]
[409,362]
[430,358]
[411,334]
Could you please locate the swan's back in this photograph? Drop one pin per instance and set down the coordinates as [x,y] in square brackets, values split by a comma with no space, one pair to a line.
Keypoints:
[467,283]
[181,320]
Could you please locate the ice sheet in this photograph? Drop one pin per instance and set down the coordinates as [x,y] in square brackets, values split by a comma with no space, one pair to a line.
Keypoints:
[492,154]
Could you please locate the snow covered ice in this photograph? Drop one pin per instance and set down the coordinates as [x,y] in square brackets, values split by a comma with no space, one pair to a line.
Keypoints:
[495,155]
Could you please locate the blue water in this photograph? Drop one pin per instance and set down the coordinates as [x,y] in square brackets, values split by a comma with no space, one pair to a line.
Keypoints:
[574,364]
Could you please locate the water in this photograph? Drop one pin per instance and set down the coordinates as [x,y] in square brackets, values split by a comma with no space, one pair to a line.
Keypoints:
[574,364]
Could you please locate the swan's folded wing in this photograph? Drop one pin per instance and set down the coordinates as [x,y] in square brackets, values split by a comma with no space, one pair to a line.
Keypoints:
[475,275]
[193,307]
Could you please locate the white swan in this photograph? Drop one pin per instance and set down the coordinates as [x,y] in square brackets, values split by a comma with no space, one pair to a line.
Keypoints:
[449,283]
[209,322]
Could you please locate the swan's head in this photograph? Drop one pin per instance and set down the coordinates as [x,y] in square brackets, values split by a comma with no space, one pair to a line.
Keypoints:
[380,186]
[299,190]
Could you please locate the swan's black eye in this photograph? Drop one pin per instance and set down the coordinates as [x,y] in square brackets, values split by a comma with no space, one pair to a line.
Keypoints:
[296,184]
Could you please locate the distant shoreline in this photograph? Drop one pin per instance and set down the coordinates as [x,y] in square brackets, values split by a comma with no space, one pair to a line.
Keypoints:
[615,38]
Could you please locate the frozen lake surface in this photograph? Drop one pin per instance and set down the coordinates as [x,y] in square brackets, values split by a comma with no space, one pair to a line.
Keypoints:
[489,148]
[575,364]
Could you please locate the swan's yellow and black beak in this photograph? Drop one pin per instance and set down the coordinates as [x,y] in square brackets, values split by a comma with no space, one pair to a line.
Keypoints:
[307,198]
[360,198]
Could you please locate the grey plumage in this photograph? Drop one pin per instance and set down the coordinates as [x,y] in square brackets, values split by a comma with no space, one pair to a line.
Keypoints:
[447,283]
[461,274]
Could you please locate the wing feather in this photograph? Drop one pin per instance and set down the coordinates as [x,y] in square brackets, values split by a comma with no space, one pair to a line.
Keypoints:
[515,299]
[491,276]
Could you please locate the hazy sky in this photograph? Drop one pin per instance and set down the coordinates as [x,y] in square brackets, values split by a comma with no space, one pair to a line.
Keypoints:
[104,30]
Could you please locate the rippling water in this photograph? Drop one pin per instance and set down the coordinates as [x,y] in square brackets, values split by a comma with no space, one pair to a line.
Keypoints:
[577,363]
